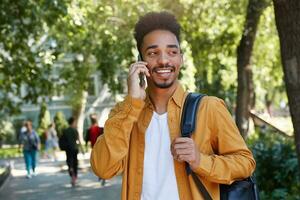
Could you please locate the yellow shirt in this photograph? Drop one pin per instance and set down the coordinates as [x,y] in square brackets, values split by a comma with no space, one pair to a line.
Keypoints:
[224,156]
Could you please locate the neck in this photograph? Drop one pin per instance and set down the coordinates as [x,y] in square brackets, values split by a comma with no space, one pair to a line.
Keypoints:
[160,97]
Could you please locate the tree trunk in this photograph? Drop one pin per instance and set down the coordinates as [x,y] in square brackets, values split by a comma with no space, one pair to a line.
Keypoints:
[245,93]
[287,16]
[78,113]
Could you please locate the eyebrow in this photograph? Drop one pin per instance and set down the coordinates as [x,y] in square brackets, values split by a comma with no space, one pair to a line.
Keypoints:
[169,46]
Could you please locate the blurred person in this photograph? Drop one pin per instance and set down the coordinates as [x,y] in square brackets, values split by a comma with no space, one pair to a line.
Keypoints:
[51,143]
[22,130]
[70,141]
[30,143]
[142,138]
[92,134]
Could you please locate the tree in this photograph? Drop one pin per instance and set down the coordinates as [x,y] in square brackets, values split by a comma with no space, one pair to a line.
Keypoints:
[266,65]
[95,36]
[26,51]
[213,37]
[60,122]
[287,18]
[7,132]
[44,120]
[245,91]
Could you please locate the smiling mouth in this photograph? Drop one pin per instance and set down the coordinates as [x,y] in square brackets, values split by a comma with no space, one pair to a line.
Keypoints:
[163,70]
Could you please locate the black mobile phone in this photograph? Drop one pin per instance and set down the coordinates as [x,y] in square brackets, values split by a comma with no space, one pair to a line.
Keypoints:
[141,75]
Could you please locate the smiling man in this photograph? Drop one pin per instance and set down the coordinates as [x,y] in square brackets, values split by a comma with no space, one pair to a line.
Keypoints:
[142,135]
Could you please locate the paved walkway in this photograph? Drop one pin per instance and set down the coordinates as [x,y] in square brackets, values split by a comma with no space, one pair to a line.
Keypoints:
[52,182]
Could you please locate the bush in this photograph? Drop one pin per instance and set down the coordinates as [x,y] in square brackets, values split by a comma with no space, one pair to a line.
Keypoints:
[7,132]
[44,121]
[277,171]
[12,152]
[60,122]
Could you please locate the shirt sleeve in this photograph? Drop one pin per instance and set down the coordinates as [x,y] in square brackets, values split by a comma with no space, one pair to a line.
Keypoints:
[231,160]
[109,154]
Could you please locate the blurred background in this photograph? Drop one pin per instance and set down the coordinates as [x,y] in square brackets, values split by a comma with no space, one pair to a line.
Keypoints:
[71,57]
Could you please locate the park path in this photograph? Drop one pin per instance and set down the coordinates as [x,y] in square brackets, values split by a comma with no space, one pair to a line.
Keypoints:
[53,183]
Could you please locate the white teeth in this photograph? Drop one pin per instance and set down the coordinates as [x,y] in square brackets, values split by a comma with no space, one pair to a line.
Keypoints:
[163,71]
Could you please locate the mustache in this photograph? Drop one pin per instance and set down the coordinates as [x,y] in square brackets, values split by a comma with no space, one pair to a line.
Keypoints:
[156,68]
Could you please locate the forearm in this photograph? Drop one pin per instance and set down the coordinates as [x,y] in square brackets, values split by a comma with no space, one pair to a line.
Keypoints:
[226,168]
[231,159]
[109,154]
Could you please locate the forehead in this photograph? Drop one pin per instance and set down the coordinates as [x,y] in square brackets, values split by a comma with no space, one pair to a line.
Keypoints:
[159,38]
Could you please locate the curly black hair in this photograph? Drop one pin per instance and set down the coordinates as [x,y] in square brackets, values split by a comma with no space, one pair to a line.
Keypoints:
[71,120]
[155,21]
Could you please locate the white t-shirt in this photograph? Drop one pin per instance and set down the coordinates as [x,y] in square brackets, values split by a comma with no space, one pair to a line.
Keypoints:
[159,181]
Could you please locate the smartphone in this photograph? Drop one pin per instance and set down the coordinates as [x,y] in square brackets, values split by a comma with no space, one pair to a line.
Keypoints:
[141,75]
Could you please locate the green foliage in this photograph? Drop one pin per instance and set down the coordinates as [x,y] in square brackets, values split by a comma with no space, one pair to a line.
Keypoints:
[277,170]
[55,46]
[214,36]
[44,120]
[60,122]
[188,70]
[26,52]
[7,132]
[268,74]
[10,153]
[96,36]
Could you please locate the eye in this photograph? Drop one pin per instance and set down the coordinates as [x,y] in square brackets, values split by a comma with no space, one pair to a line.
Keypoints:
[151,53]
[173,52]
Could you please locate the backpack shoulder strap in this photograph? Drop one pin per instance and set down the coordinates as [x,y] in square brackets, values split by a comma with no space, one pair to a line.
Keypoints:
[188,124]
[189,113]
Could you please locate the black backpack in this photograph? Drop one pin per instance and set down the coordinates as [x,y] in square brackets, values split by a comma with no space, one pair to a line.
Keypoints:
[62,142]
[239,190]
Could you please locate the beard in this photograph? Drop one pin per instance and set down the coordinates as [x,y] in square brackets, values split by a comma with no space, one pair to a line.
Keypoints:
[165,84]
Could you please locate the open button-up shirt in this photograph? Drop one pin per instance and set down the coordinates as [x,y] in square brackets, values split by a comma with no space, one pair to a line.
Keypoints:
[224,156]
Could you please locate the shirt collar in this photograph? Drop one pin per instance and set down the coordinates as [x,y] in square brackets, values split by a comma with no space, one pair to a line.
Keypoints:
[178,97]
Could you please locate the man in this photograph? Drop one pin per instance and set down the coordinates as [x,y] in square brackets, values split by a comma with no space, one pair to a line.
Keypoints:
[142,135]
[70,140]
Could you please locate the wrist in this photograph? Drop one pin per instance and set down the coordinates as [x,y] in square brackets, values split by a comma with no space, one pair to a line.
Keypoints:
[195,164]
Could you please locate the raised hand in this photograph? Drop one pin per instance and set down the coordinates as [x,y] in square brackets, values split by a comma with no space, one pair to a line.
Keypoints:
[134,88]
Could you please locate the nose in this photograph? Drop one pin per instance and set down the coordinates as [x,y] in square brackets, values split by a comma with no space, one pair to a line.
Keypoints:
[163,59]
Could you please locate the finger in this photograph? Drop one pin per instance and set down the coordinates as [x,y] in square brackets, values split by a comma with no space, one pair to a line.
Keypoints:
[142,62]
[183,152]
[182,140]
[134,66]
[183,146]
[138,69]
[139,63]
[185,158]
[175,146]
[176,157]
[135,75]
[172,150]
